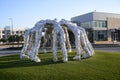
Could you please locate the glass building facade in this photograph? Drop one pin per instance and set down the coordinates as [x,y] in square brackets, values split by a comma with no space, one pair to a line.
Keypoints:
[96,23]
[97,35]
[99,26]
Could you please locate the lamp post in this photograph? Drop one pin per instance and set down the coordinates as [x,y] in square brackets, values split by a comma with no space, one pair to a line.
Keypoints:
[12,31]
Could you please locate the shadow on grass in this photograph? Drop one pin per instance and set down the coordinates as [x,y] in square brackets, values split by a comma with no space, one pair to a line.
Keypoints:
[14,61]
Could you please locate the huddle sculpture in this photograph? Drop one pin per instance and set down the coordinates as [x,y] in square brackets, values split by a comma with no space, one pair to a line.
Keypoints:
[58,32]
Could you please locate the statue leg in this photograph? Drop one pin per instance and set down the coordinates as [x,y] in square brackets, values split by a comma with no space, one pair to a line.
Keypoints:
[90,47]
[88,44]
[67,39]
[25,46]
[31,40]
[34,56]
[84,46]
[78,47]
[51,40]
[62,43]
[55,47]
[44,43]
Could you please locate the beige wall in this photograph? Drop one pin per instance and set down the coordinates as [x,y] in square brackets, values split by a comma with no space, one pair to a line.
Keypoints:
[113,23]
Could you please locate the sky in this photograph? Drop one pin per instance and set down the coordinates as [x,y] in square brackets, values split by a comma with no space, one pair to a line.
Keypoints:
[25,13]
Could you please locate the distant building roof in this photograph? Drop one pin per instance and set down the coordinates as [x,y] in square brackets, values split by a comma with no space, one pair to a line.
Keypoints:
[94,16]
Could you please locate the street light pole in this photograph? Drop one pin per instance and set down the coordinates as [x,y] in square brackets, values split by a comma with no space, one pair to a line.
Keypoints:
[12,31]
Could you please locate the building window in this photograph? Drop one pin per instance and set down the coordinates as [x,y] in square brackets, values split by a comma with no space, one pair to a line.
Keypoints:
[100,35]
[3,32]
[96,23]
[99,23]
[104,24]
[87,24]
[115,35]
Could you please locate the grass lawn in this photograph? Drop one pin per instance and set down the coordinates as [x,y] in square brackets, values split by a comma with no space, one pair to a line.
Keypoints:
[102,66]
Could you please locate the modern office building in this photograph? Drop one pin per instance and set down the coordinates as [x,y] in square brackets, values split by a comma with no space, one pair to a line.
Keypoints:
[1,33]
[100,26]
[6,32]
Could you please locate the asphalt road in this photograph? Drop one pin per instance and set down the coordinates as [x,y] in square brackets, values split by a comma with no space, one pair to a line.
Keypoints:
[112,49]
[12,52]
[9,52]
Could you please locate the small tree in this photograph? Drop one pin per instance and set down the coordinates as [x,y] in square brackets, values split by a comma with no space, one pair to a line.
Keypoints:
[12,38]
[21,38]
[17,38]
[3,40]
[0,40]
